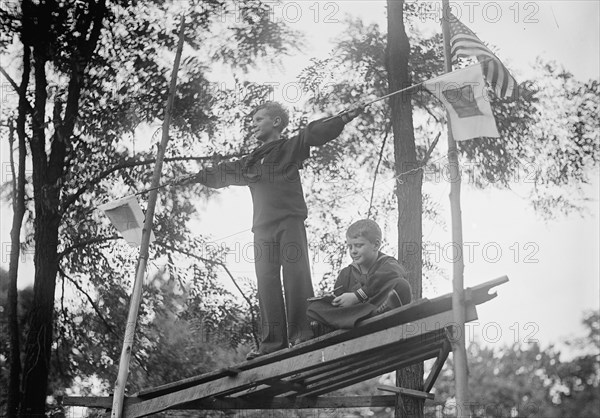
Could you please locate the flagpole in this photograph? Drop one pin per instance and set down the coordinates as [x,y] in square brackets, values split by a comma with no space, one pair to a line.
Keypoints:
[136,296]
[458,300]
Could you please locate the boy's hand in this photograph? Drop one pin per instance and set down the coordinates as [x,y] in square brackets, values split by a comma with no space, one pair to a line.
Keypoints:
[352,112]
[345,299]
[185,180]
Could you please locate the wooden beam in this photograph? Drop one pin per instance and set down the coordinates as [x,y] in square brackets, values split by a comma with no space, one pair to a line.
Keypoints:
[404,314]
[290,366]
[336,402]
[230,371]
[437,366]
[344,365]
[380,362]
[414,311]
[407,392]
[282,385]
[374,372]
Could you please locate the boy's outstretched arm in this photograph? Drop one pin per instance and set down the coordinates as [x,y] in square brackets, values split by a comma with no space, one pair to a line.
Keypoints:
[219,176]
[324,130]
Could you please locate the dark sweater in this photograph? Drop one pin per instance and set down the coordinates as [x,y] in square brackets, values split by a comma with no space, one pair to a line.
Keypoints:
[272,173]
[383,276]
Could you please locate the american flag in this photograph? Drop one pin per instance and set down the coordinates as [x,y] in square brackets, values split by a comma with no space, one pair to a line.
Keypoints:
[464,43]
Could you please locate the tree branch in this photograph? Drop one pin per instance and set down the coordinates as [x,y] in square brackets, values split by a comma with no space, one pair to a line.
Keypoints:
[387,132]
[97,310]
[86,243]
[423,106]
[12,83]
[430,150]
[222,265]
[254,336]
[134,162]
[90,300]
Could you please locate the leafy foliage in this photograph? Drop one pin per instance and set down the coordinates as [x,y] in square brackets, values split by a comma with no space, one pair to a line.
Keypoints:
[526,380]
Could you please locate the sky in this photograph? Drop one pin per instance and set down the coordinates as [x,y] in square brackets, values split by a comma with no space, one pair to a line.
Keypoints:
[553,266]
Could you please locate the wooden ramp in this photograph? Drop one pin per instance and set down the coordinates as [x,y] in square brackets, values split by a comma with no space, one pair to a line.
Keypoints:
[298,377]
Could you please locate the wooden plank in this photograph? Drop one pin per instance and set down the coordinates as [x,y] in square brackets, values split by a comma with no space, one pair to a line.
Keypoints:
[337,402]
[366,357]
[481,293]
[388,319]
[103,402]
[437,366]
[288,366]
[353,363]
[395,353]
[344,381]
[414,311]
[230,371]
[257,403]
[314,375]
[471,314]
[282,385]
[407,392]
[411,312]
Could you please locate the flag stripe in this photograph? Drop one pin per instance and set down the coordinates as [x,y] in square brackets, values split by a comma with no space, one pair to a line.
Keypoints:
[464,43]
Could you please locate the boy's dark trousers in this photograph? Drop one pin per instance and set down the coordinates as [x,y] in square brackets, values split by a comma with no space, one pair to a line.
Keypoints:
[279,245]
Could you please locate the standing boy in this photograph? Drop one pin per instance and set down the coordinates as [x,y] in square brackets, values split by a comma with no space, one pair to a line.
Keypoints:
[272,173]
[372,284]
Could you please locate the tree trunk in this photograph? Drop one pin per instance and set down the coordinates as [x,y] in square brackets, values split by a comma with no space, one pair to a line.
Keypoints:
[408,187]
[48,170]
[14,379]
[39,338]
[15,249]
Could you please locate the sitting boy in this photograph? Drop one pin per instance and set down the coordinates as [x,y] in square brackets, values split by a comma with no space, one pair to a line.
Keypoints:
[372,284]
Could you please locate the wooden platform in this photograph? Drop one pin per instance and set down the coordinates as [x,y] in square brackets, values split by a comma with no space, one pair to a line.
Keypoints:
[299,377]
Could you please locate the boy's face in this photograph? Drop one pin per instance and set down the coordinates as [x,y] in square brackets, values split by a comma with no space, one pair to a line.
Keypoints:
[363,252]
[265,126]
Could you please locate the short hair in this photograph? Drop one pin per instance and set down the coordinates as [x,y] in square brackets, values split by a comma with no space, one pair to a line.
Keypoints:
[366,228]
[275,109]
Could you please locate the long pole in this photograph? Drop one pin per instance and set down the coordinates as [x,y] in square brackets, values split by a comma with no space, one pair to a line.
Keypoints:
[458,299]
[136,296]
[404,90]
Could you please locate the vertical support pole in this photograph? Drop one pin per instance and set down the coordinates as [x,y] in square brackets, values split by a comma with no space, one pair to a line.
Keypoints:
[136,296]
[458,267]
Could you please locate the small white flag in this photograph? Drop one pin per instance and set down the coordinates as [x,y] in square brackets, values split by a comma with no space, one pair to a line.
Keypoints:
[127,216]
[463,94]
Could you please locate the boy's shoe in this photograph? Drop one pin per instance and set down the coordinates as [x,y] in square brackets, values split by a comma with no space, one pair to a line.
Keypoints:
[392,302]
[254,353]
[301,340]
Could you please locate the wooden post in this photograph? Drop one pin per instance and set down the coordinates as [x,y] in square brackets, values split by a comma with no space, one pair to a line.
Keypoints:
[136,296]
[458,301]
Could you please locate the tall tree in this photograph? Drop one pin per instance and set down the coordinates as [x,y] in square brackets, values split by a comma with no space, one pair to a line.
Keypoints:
[41,34]
[18,199]
[408,186]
